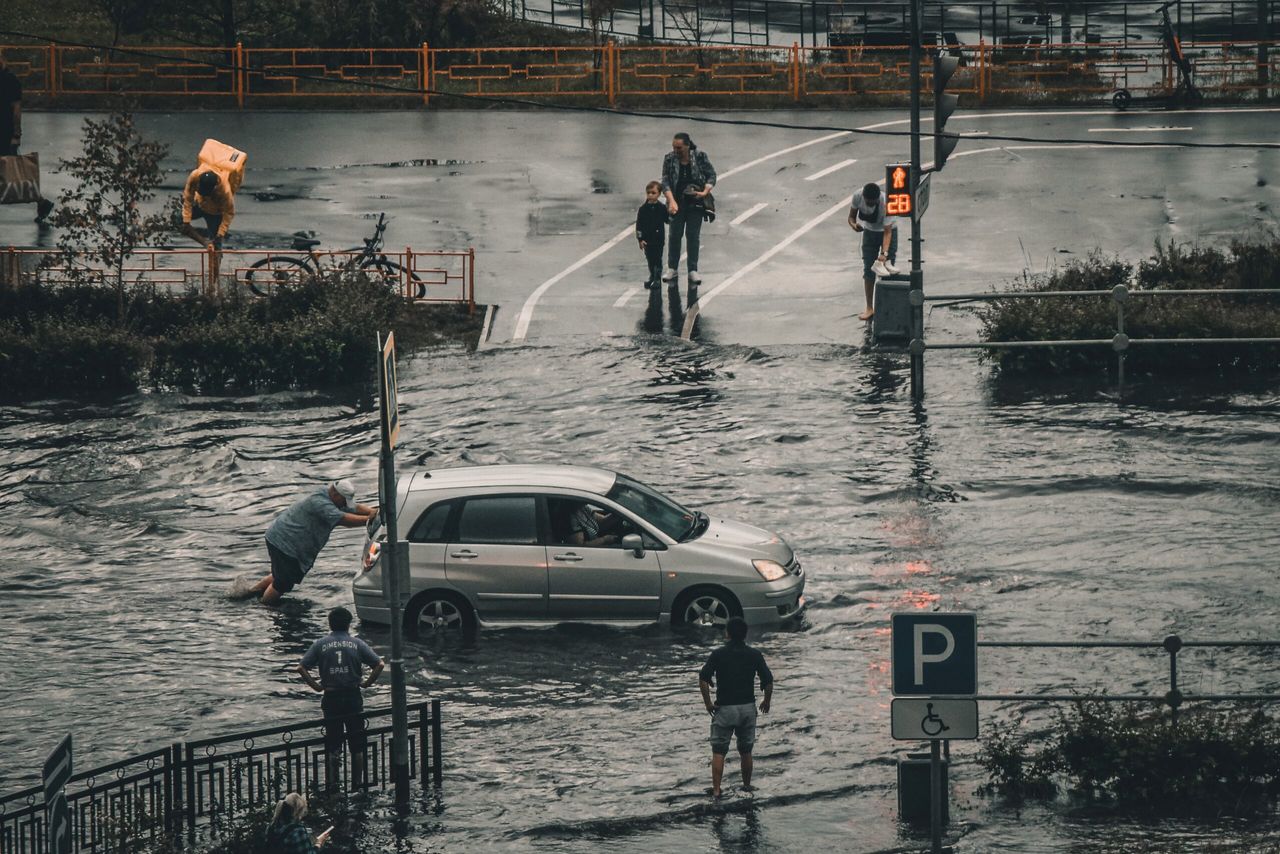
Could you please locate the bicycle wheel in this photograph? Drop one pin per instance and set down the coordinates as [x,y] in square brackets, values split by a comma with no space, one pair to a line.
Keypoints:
[393,274]
[272,272]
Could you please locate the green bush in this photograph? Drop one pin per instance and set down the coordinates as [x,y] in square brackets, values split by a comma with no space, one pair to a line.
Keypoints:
[1245,265]
[50,356]
[1209,761]
[319,332]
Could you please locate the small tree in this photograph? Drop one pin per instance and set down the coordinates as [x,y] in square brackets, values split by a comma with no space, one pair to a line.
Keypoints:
[101,218]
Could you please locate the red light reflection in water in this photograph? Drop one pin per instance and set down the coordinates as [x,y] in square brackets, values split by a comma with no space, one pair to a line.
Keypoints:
[919,567]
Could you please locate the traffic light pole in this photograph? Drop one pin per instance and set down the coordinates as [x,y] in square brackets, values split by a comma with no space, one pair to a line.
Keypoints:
[917,275]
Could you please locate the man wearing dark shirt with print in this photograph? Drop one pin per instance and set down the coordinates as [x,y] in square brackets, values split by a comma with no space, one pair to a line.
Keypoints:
[340,658]
[734,668]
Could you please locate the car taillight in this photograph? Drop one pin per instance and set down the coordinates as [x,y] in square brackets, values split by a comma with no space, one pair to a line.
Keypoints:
[371,555]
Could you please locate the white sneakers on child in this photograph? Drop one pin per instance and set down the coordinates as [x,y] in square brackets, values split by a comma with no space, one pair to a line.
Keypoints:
[694,278]
[669,275]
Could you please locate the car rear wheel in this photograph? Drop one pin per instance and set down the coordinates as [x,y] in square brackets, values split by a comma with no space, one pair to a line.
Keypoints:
[706,607]
[439,615]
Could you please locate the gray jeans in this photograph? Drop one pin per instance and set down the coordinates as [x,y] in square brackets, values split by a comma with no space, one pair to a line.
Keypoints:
[688,220]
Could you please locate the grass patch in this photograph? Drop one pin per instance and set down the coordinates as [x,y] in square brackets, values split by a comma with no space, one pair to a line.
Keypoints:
[1211,762]
[317,333]
[1245,265]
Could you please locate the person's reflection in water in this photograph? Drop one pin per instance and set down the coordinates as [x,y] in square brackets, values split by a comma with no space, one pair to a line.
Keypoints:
[739,831]
[295,627]
[652,322]
[676,310]
[886,373]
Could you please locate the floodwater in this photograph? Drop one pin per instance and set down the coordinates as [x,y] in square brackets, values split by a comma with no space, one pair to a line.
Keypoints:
[1050,516]
[1053,511]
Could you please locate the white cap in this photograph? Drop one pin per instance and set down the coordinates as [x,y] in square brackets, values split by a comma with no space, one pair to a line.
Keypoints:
[347,490]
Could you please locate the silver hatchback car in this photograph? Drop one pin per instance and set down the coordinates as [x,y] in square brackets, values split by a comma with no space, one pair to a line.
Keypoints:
[507,544]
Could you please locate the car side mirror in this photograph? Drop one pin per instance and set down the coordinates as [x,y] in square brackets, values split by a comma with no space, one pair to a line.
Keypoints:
[634,542]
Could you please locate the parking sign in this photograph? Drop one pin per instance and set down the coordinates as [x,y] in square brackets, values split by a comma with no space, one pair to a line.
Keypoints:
[935,655]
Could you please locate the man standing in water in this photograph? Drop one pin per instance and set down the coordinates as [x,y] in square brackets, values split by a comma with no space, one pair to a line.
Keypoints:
[299,533]
[341,659]
[734,667]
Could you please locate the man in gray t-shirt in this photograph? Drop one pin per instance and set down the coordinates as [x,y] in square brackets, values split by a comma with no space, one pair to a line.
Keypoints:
[342,659]
[298,534]
[867,215]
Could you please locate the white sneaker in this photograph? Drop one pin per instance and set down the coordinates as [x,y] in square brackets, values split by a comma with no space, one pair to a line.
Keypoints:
[670,275]
[880,269]
[694,278]
[889,265]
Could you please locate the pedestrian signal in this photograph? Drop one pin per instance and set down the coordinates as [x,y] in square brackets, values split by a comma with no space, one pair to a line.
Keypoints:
[897,190]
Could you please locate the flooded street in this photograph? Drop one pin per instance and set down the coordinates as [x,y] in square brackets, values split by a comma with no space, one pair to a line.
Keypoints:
[1052,512]
[1049,518]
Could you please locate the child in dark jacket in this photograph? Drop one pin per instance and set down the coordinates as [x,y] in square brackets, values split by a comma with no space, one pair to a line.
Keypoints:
[651,221]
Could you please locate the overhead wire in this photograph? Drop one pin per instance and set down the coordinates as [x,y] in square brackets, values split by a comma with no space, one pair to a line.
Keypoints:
[489,100]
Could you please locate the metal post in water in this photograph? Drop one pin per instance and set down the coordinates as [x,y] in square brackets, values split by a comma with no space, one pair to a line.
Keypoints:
[399,711]
[917,277]
[935,797]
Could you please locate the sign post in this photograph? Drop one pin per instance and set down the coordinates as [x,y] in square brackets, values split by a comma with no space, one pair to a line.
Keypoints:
[389,421]
[56,773]
[935,669]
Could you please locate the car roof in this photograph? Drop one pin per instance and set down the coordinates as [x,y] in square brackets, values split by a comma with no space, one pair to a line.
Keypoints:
[585,478]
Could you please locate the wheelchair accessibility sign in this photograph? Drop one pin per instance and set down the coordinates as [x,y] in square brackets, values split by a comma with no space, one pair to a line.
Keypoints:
[934,718]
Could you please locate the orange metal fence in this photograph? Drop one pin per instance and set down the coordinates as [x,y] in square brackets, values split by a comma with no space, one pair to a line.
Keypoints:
[612,72]
[419,276]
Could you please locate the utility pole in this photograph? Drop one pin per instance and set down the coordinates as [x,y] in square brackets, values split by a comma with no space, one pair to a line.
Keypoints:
[916,294]
[391,570]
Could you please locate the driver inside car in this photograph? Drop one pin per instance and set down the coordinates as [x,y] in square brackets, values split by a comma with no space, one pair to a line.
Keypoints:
[591,526]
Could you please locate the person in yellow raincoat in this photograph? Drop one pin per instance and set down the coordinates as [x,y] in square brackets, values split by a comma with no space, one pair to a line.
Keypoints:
[208,195]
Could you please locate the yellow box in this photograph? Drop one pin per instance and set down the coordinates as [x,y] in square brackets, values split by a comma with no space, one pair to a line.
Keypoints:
[225,159]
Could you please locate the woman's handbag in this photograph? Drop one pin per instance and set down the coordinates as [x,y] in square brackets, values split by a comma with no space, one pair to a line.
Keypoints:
[708,207]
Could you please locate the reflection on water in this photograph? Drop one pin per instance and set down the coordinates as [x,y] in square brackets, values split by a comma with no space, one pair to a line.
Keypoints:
[1048,514]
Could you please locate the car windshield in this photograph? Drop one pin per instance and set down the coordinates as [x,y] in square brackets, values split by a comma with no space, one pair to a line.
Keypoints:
[656,509]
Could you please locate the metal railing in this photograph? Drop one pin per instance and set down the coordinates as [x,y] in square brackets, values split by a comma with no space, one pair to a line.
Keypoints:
[1120,342]
[1174,697]
[609,72]
[204,784]
[419,276]
[818,23]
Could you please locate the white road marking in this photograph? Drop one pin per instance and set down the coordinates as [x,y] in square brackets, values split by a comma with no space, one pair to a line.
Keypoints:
[816,175]
[526,313]
[749,212]
[975,133]
[628,294]
[1136,130]
[696,308]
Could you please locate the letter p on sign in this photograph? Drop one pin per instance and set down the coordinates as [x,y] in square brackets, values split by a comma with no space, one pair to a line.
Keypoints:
[935,655]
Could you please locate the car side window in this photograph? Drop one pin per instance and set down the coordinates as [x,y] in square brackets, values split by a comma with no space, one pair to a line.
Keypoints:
[430,527]
[573,520]
[502,519]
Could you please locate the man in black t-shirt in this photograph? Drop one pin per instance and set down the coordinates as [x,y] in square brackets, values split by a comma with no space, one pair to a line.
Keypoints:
[11,124]
[734,668]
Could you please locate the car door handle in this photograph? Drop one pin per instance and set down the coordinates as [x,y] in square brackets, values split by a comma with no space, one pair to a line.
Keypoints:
[569,557]
[466,554]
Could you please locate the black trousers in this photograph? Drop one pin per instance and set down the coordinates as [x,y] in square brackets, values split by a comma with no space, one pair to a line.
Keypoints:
[653,254]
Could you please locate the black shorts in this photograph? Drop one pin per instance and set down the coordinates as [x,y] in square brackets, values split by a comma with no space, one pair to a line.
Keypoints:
[342,708]
[285,570]
[7,149]
[212,222]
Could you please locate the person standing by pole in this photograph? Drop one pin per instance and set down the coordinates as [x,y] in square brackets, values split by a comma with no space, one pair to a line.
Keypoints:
[879,240]
[341,659]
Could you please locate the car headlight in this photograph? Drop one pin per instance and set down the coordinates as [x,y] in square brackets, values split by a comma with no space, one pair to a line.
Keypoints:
[770,570]
[371,555]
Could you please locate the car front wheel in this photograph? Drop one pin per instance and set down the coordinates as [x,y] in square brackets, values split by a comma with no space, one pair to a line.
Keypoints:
[439,615]
[706,608]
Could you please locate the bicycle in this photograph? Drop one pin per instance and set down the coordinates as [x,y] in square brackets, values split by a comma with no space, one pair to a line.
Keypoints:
[278,269]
